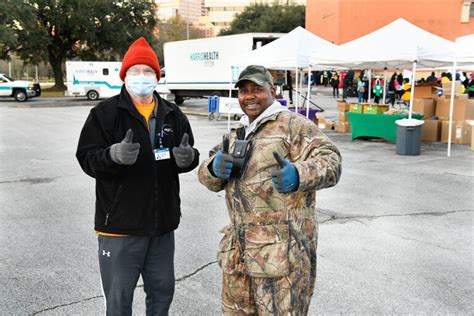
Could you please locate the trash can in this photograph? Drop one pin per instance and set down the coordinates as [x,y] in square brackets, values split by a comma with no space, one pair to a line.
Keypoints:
[408,136]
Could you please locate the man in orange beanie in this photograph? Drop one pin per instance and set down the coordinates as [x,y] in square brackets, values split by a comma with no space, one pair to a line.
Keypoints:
[135,145]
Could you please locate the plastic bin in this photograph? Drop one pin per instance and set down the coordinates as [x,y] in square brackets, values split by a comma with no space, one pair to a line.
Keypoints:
[408,136]
[213,104]
[302,111]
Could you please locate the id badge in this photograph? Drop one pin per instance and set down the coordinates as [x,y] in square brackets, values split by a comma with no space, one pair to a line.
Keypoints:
[161,153]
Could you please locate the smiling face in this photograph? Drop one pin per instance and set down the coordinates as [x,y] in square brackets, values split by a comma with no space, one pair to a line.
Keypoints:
[255,99]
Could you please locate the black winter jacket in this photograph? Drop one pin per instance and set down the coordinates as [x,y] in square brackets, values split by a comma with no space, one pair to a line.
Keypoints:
[143,198]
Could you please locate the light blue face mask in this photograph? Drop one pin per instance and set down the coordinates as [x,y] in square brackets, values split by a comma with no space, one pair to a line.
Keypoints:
[141,85]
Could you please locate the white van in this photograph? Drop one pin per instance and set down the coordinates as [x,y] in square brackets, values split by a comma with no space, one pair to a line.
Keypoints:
[93,79]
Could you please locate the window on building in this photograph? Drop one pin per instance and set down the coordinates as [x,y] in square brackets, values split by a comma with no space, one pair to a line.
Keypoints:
[466,10]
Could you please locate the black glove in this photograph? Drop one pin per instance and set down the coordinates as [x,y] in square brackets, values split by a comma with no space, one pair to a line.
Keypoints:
[125,152]
[184,154]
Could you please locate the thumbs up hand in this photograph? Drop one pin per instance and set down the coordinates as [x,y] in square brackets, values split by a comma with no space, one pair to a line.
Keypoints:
[125,152]
[222,163]
[184,154]
[285,179]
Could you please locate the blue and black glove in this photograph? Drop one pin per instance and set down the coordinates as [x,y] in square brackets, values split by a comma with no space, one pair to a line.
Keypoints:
[222,163]
[286,178]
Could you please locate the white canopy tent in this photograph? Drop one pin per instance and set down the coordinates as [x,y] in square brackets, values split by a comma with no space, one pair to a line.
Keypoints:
[464,55]
[397,45]
[290,52]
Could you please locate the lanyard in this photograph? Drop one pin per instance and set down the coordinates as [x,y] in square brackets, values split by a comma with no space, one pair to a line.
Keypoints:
[160,138]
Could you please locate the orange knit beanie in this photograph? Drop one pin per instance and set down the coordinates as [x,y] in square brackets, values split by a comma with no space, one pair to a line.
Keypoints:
[140,52]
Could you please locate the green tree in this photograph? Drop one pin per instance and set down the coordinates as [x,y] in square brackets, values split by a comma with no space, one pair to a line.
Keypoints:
[274,18]
[56,30]
[8,39]
[174,29]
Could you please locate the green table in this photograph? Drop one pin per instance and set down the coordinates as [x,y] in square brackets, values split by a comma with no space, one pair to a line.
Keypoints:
[376,125]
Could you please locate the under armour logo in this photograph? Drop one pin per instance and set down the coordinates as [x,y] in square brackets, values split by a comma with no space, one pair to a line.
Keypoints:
[106,253]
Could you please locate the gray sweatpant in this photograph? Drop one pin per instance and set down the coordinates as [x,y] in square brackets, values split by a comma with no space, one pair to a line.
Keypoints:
[123,259]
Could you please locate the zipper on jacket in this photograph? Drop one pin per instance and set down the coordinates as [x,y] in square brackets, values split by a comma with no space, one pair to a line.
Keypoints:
[106,219]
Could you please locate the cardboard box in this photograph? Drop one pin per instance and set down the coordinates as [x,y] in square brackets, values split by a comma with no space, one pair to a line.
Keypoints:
[431,131]
[319,118]
[342,106]
[356,108]
[329,124]
[460,132]
[447,88]
[343,117]
[425,107]
[343,127]
[472,137]
[425,92]
[463,108]
[375,109]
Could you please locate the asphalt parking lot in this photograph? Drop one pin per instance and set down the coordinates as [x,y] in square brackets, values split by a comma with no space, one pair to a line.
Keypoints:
[396,234]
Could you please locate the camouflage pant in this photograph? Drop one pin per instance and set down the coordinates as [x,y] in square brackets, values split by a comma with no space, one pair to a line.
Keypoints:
[288,295]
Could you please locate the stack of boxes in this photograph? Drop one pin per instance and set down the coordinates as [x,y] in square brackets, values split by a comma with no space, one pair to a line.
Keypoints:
[463,115]
[436,113]
[425,103]
[343,125]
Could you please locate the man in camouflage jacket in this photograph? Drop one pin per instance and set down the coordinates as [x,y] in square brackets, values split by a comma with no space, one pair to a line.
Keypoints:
[268,252]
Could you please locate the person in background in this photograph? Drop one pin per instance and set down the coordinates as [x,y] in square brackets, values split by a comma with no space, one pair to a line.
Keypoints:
[325,77]
[360,90]
[406,90]
[444,78]
[366,89]
[470,88]
[135,145]
[335,84]
[347,83]
[268,251]
[391,89]
[289,83]
[378,89]
[399,86]
[431,78]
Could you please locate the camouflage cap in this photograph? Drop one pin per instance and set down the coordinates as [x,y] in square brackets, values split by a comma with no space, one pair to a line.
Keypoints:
[257,74]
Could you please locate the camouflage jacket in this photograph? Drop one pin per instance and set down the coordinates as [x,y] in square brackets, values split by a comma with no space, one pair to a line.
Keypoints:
[258,213]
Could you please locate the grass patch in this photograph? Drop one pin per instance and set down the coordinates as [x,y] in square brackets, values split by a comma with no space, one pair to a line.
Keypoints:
[51,93]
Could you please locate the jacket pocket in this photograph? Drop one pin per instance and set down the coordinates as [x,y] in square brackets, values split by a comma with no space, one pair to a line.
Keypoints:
[113,205]
[228,252]
[266,251]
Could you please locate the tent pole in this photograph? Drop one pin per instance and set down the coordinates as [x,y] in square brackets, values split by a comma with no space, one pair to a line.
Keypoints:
[384,84]
[309,91]
[451,107]
[295,98]
[230,96]
[412,94]
[370,85]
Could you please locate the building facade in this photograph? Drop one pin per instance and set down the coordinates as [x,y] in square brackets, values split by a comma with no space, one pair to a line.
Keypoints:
[341,21]
[189,10]
[220,13]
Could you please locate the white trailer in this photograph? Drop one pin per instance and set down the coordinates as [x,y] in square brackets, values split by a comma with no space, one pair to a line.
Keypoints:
[203,67]
[93,79]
